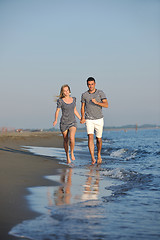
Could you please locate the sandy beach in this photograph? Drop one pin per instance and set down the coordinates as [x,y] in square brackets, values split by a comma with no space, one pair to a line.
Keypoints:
[20,169]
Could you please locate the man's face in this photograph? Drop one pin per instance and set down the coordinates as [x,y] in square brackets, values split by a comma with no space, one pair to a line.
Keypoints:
[91,85]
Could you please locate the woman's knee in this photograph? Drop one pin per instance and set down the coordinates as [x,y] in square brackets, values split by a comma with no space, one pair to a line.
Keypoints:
[72,139]
[65,139]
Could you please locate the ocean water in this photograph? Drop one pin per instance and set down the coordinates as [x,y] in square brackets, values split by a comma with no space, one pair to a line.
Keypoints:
[119,199]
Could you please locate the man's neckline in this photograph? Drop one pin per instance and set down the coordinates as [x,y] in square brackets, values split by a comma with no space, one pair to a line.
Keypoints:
[93,92]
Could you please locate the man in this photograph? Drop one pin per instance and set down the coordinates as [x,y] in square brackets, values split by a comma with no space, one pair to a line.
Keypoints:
[92,102]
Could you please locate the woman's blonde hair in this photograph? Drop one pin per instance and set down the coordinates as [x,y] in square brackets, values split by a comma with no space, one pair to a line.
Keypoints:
[61,95]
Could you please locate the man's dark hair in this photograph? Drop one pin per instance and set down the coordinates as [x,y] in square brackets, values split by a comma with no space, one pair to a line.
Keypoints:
[90,79]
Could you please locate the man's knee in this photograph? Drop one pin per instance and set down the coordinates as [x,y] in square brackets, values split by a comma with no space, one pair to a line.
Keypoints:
[99,140]
[90,136]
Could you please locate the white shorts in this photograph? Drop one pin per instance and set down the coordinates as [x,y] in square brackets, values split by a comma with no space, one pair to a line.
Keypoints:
[95,126]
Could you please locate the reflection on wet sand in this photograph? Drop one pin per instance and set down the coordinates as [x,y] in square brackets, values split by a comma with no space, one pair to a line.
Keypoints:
[67,191]
[63,194]
[91,188]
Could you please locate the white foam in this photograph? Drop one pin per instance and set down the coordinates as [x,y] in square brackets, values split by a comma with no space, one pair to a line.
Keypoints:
[118,153]
[46,151]
[114,173]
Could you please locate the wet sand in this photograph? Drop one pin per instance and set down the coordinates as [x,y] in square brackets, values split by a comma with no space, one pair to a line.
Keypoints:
[20,169]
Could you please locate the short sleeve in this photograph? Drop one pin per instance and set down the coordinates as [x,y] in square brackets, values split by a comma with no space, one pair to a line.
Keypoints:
[59,103]
[82,98]
[102,94]
[74,99]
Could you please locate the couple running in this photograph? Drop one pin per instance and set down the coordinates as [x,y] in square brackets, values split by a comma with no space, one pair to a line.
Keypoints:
[92,102]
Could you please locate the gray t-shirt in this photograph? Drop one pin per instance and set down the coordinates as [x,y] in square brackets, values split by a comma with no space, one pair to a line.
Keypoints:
[68,117]
[93,111]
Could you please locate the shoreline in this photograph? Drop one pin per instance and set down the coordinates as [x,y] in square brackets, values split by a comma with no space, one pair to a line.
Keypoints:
[21,169]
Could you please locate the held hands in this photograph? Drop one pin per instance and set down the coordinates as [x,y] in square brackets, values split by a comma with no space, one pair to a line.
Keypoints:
[83,120]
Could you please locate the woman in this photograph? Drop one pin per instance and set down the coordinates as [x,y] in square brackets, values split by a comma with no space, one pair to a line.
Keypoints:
[68,121]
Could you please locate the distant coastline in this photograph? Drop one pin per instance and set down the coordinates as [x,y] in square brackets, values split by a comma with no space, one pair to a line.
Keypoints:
[144,126]
[127,127]
[124,127]
[106,128]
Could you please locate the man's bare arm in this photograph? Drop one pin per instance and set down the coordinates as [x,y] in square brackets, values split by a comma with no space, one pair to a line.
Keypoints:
[104,103]
[82,113]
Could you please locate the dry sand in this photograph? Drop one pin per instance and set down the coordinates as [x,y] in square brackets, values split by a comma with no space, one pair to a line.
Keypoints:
[20,169]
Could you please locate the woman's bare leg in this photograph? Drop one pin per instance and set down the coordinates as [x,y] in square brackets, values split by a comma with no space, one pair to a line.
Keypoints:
[72,132]
[66,145]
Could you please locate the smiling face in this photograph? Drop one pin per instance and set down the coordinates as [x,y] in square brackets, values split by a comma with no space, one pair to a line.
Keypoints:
[91,86]
[66,92]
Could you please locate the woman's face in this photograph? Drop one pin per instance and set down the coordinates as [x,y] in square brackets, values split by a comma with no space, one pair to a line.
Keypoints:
[66,91]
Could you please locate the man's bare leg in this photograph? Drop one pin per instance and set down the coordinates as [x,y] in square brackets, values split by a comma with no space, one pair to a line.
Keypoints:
[99,148]
[91,147]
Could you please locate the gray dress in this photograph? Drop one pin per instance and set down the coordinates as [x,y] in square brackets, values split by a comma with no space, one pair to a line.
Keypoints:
[68,117]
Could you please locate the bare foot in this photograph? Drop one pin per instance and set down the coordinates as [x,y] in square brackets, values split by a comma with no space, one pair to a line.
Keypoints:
[93,161]
[99,159]
[68,160]
[72,156]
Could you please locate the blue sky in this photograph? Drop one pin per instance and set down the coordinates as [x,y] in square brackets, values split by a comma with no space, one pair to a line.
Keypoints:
[45,44]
